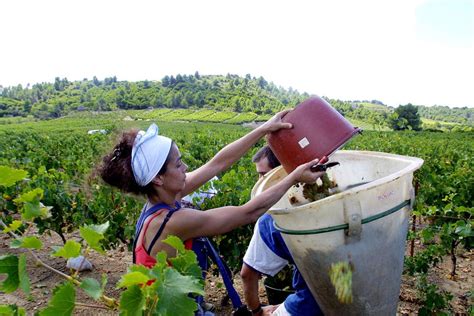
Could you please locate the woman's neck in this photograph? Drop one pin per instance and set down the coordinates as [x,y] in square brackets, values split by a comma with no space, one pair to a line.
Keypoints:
[162,198]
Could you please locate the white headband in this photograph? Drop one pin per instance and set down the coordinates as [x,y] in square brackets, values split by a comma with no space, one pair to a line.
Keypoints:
[149,154]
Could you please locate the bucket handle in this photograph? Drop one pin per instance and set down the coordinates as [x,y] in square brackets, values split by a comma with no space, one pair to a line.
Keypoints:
[353,217]
[341,226]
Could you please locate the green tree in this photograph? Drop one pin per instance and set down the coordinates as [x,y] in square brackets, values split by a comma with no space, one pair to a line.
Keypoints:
[406,117]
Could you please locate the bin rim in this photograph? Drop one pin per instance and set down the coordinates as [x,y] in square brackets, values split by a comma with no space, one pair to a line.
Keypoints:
[414,164]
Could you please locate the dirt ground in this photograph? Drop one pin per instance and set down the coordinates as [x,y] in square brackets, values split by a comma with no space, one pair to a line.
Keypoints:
[114,264]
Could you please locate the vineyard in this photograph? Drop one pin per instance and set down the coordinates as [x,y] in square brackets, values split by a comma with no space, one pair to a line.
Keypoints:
[48,186]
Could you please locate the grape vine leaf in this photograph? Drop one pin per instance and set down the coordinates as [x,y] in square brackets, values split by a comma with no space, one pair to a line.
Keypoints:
[186,261]
[23,275]
[9,266]
[6,310]
[133,278]
[139,268]
[175,242]
[186,264]
[92,288]
[71,249]
[132,301]
[10,176]
[93,234]
[13,226]
[62,302]
[32,207]
[173,290]
[27,242]
[11,310]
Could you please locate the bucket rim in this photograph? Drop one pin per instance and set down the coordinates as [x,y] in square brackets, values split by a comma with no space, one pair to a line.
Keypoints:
[414,164]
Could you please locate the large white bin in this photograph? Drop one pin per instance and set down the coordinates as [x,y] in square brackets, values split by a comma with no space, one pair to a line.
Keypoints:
[366,225]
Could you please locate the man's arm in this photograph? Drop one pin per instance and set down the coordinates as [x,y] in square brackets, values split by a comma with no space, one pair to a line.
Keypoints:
[258,259]
[250,279]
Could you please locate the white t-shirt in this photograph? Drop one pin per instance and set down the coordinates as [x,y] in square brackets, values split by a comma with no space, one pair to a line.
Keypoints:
[260,257]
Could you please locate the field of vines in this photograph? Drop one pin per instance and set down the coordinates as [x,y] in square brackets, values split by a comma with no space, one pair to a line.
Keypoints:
[58,158]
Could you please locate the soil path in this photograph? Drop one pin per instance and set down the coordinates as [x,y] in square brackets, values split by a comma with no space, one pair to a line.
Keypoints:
[115,263]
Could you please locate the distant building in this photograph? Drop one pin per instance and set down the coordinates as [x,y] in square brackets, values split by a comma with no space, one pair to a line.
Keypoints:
[97,131]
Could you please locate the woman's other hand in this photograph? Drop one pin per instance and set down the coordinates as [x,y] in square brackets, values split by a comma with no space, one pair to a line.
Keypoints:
[276,123]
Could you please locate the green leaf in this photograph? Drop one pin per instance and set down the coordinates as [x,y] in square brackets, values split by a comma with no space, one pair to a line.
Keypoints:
[160,265]
[92,288]
[162,259]
[10,176]
[187,264]
[9,266]
[6,310]
[13,226]
[31,242]
[133,278]
[62,302]
[173,293]
[463,229]
[31,196]
[174,242]
[32,206]
[132,301]
[23,275]
[71,249]
[427,234]
[11,310]
[93,234]
[31,211]
[186,261]
[139,268]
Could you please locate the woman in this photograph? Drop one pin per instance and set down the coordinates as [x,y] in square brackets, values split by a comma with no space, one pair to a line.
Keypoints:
[150,164]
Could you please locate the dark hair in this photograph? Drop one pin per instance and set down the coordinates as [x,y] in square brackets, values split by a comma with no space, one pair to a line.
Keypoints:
[116,167]
[263,152]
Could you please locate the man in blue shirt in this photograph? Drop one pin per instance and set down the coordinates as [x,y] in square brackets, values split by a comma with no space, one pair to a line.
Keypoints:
[268,254]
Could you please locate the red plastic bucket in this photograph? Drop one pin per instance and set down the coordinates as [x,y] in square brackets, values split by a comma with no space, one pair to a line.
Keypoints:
[318,130]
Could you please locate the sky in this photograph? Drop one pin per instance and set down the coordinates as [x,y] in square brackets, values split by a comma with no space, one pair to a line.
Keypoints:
[397,52]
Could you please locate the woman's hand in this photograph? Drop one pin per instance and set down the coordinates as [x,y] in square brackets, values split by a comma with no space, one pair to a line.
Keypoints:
[304,174]
[275,123]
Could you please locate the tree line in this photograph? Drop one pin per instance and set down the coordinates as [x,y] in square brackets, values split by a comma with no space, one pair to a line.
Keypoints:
[221,93]
[231,92]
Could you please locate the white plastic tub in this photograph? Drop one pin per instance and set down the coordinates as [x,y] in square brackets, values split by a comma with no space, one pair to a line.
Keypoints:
[366,225]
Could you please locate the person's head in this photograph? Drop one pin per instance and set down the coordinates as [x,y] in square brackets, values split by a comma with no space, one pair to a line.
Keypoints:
[265,160]
[142,162]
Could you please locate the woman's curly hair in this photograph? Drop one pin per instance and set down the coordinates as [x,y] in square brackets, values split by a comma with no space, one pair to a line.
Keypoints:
[116,167]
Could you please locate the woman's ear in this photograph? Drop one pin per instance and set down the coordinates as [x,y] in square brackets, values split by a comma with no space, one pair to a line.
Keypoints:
[158,180]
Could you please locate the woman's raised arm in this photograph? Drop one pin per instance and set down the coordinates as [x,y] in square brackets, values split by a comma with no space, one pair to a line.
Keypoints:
[231,153]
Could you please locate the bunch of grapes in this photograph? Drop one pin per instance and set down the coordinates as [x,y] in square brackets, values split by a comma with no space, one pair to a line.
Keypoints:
[317,190]
[341,278]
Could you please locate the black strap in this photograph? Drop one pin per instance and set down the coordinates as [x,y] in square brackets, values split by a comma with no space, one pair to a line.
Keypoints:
[162,227]
[141,220]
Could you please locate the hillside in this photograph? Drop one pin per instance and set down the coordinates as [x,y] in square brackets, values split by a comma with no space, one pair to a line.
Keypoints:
[226,94]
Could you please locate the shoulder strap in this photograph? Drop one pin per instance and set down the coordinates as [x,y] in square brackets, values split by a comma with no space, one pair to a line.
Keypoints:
[141,220]
[162,227]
